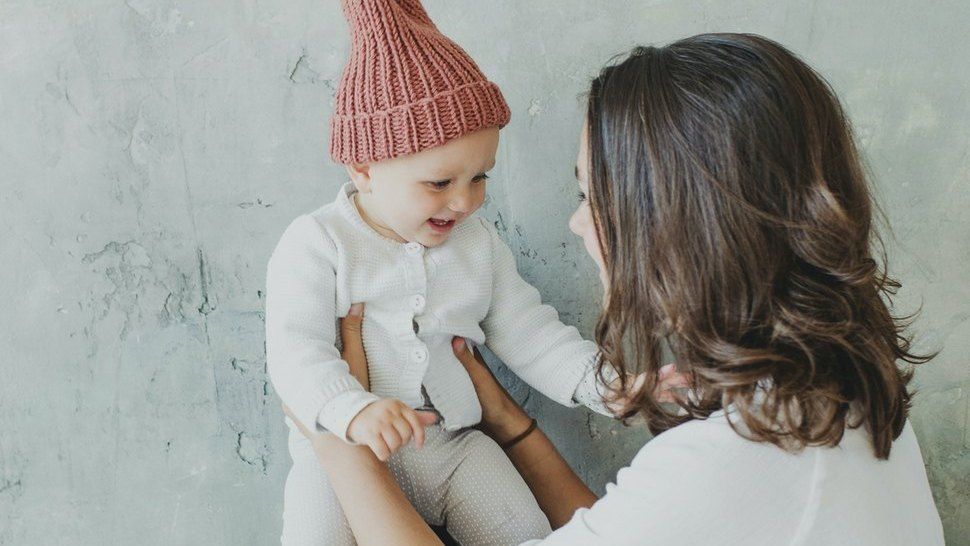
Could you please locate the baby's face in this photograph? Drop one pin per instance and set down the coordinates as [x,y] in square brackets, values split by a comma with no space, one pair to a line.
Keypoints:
[423,196]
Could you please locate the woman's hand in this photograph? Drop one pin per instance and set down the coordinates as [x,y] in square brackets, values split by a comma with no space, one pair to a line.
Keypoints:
[502,418]
[351,334]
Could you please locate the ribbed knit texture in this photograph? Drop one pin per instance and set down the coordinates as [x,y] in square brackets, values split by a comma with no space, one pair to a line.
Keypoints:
[406,86]
[416,299]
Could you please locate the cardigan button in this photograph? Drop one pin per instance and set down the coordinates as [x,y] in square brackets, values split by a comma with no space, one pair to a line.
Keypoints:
[412,248]
[419,355]
[417,302]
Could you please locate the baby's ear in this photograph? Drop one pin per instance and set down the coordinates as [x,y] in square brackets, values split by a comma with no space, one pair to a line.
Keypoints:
[360,175]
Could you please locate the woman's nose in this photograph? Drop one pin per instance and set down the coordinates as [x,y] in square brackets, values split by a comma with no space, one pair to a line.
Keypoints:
[574,224]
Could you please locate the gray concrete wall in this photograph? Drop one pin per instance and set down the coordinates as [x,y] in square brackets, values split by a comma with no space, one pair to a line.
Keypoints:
[152,151]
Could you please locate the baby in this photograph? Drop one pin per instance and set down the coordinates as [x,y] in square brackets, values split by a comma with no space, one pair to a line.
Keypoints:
[417,126]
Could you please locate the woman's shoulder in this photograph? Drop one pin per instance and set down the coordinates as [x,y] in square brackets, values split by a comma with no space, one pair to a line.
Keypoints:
[731,489]
[697,483]
[718,446]
[702,482]
[711,446]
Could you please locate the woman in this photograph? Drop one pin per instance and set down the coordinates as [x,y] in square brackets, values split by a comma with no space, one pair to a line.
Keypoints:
[731,219]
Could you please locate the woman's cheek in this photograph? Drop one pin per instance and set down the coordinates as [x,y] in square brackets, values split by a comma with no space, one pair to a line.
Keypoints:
[593,248]
[588,229]
[581,224]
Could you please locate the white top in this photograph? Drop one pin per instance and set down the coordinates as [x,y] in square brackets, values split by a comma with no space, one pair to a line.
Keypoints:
[416,300]
[702,483]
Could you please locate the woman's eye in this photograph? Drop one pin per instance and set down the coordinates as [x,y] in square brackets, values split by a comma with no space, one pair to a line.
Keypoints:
[581,196]
[480,178]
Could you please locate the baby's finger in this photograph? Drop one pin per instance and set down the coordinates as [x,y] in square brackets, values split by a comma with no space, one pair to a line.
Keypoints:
[675,380]
[416,427]
[391,437]
[637,384]
[427,418]
[403,427]
[379,448]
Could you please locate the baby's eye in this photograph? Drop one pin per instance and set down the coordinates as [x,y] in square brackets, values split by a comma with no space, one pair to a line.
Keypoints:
[480,178]
[439,184]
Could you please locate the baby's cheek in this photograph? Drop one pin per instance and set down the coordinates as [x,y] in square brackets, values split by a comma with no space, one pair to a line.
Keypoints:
[479,202]
[477,206]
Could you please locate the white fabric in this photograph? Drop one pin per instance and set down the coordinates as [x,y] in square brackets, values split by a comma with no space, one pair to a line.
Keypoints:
[460,480]
[702,483]
[416,299]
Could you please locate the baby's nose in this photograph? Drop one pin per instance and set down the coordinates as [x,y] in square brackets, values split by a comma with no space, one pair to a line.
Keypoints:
[462,203]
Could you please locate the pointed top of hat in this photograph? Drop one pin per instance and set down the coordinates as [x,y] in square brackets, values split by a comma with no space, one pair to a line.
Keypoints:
[369,14]
[406,87]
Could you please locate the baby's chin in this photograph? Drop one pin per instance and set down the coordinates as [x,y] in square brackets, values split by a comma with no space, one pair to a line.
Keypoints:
[431,241]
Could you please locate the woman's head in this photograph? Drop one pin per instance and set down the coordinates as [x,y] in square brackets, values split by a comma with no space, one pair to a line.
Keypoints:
[735,223]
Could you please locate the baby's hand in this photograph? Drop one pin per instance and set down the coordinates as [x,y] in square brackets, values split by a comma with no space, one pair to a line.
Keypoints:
[669,379]
[387,425]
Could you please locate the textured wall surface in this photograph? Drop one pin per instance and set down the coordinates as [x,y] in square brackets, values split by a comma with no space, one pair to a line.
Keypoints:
[152,152]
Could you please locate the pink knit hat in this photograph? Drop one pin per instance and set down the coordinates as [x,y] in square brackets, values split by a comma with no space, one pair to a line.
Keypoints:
[406,87]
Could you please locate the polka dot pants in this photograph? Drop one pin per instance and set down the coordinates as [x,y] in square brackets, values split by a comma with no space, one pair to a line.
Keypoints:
[461,480]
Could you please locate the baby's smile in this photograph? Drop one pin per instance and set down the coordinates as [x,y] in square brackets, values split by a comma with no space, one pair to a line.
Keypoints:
[442,226]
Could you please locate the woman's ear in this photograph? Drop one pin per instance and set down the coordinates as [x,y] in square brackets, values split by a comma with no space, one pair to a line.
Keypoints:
[360,175]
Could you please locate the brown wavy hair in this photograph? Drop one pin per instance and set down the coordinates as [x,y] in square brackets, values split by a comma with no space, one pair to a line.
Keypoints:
[736,224]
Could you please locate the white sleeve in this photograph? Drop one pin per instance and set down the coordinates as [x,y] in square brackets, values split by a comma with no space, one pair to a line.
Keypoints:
[529,338]
[301,357]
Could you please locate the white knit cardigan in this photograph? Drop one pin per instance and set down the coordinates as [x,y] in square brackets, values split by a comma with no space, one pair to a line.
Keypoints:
[416,299]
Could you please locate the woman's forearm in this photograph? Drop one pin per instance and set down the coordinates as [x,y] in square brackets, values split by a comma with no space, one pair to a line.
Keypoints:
[376,509]
[558,489]
[555,486]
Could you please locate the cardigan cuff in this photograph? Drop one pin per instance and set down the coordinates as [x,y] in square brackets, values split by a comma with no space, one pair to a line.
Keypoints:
[590,391]
[341,410]
[564,381]
[309,399]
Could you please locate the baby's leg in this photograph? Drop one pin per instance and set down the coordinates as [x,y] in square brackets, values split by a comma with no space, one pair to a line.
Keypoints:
[311,513]
[486,501]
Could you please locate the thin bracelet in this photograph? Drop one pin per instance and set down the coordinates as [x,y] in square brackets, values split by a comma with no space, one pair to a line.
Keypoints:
[520,437]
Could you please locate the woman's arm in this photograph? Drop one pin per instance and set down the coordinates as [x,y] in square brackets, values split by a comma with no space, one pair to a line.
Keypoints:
[556,487]
[376,509]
